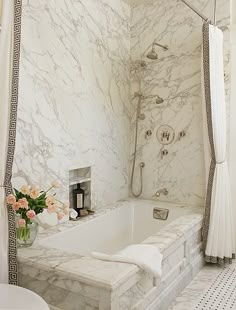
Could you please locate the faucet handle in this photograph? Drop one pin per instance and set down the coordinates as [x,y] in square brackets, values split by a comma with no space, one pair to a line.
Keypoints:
[163,191]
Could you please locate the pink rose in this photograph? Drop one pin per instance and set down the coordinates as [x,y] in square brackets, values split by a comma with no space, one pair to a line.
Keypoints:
[16,206]
[55,184]
[34,193]
[60,216]
[30,214]
[21,223]
[50,200]
[24,203]
[52,208]
[11,199]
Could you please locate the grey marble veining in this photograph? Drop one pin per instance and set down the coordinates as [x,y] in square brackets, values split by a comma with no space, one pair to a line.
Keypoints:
[74,95]
[76,105]
[176,77]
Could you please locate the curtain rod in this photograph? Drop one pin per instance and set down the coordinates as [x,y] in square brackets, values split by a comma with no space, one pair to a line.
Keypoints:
[215,12]
[198,12]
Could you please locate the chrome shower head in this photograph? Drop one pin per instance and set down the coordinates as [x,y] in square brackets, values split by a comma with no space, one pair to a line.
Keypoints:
[159,100]
[153,54]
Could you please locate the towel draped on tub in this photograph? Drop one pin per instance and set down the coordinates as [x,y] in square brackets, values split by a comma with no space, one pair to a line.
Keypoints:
[145,256]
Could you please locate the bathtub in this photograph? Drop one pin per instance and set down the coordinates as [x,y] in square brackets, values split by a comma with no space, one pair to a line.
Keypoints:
[60,260]
[125,225]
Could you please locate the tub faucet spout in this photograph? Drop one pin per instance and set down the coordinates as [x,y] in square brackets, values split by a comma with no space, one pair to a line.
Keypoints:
[163,191]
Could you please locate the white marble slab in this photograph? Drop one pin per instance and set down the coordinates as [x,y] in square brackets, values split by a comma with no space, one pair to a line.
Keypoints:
[176,77]
[74,95]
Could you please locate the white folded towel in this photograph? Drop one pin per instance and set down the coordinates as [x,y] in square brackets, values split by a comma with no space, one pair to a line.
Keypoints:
[146,256]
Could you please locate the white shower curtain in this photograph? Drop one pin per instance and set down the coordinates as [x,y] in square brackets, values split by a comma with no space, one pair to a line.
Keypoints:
[218,224]
[6,43]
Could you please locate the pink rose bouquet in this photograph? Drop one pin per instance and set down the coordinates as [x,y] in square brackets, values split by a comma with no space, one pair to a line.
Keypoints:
[30,201]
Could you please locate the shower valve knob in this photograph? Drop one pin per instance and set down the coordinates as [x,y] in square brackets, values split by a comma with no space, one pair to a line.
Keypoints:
[142,117]
[164,153]
[148,134]
[142,164]
[182,134]
[165,134]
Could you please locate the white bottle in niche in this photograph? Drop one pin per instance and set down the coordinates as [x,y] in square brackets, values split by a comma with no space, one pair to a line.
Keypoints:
[78,199]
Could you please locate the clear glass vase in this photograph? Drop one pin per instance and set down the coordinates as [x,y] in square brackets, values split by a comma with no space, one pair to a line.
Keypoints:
[26,235]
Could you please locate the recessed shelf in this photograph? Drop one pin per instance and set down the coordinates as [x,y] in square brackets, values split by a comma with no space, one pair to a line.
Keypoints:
[81,176]
[79,180]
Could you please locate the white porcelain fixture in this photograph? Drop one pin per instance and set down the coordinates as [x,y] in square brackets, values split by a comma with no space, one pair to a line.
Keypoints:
[115,230]
[15,297]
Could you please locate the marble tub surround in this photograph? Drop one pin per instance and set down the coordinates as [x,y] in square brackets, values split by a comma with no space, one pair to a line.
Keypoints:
[74,95]
[68,280]
[175,77]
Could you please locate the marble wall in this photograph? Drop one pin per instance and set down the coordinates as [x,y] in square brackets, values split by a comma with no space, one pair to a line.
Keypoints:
[74,95]
[176,77]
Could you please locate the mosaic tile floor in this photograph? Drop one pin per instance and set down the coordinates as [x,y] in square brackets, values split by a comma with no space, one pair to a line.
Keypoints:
[214,288]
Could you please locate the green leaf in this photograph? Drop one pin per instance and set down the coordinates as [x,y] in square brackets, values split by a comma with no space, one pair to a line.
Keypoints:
[16,191]
[42,196]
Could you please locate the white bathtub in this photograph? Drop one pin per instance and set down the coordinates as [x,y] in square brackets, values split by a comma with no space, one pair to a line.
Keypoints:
[130,223]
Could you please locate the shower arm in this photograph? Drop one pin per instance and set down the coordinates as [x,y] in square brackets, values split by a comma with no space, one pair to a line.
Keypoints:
[206,19]
[162,46]
[215,12]
[152,45]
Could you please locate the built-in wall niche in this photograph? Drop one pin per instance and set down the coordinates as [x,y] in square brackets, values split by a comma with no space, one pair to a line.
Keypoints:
[80,176]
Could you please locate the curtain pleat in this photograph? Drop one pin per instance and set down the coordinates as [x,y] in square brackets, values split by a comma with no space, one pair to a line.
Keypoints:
[218,223]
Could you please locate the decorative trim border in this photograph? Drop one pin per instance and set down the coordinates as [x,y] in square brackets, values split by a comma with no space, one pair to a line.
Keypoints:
[218,260]
[12,254]
[207,87]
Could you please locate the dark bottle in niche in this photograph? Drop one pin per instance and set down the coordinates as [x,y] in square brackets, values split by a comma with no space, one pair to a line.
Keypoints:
[78,199]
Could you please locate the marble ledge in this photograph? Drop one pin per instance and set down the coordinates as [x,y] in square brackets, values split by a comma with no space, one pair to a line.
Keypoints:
[60,267]
[173,233]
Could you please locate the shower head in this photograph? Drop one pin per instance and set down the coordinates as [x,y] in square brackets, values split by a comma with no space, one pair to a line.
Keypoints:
[153,54]
[159,100]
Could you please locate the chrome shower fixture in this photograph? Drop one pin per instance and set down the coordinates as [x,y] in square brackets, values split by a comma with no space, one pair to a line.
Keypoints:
[158,99]
[138,64]
[153,54]
[148,134]
[163,191]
